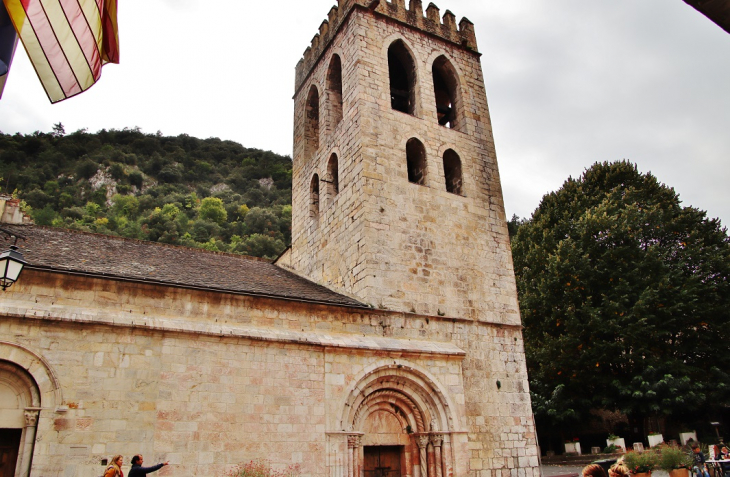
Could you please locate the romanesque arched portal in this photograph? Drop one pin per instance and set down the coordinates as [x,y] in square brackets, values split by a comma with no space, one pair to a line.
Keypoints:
[27,387]
[397,423]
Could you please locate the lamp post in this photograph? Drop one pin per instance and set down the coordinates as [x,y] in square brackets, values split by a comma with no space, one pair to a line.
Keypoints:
[11,262]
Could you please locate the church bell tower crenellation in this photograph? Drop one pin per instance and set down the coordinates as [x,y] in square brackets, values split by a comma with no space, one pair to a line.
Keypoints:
[413,16]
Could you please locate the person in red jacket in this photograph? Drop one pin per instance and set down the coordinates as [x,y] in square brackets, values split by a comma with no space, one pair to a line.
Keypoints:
[138,471]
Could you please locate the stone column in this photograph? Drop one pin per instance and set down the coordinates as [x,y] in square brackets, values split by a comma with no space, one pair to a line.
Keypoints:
[448,458]
[422,442]
[31,424]
[436,441]
[354,466]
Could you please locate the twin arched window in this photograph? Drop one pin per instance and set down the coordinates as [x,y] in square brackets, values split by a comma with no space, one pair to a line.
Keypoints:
[417,167]
[331,187]
[333,95]
[403,81]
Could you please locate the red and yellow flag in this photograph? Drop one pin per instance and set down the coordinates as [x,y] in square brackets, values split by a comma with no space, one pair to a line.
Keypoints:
[67,41]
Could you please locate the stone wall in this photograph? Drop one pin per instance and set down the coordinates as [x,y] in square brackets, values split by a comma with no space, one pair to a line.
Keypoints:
[207,380]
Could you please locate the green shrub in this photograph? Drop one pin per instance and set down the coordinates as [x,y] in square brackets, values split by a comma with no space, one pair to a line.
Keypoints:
[641,462]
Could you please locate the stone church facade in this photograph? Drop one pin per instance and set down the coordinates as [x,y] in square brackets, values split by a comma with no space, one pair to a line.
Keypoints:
[385,343]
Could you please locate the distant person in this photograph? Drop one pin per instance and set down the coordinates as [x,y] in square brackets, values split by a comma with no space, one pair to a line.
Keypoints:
[724,455]
[114,469]
[618,470]
[594,470]
[138,471]
[700,467]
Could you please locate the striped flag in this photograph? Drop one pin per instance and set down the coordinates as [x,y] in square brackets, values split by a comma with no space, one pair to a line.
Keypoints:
[67,41]
[8,40]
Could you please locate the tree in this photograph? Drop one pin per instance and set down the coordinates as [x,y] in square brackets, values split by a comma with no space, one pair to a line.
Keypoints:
[212,209]
[58,130]
[623,291]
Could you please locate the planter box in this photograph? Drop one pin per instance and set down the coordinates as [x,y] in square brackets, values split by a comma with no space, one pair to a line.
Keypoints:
[620,442]
[685,436]
[655,440]
[679,473]
[572,448]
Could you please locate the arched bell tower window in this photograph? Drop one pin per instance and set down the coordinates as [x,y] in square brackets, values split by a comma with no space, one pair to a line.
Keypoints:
[449,108]
[333,175]
[334,90]
[314,198]
[402,71]
[452,172]
[416,160]
[311,123]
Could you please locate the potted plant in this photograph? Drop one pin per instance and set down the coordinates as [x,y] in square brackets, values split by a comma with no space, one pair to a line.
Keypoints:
[641,464]
[572,447]
[616,441]
[655,439]
[675,461]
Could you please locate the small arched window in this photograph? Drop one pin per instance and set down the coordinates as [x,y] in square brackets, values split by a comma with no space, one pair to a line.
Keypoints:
[402,71]
[311,122]
[416,160]
[333,175]
[314,198]
[446,90]
[334,91]
[452,172]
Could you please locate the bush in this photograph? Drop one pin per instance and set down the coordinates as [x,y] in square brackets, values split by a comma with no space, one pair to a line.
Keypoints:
[674,458]
[641,462]
[612,449]
[87,169]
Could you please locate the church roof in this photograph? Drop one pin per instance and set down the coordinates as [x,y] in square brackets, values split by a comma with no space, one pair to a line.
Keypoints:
[69,251]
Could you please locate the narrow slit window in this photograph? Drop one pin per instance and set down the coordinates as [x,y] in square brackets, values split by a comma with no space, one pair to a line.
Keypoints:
[452,172]
[416,160]
[334,90]
[311,122]
[314,198]
[333,175]
[402,72]
[446,92]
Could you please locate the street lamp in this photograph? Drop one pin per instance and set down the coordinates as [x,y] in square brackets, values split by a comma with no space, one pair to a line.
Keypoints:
[11,262]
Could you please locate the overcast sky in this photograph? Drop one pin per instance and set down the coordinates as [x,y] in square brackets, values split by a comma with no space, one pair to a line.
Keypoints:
[569,83]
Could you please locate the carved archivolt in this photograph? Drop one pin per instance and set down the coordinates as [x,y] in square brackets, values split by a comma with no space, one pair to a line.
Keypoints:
[406,392]
[407,409]
[48,394]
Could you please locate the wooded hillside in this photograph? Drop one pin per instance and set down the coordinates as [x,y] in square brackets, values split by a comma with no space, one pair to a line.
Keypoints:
[180,190]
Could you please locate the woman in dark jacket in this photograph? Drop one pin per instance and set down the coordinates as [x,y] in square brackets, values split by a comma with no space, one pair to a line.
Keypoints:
[138,471]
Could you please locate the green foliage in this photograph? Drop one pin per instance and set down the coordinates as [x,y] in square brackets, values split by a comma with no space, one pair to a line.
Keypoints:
[611,449]
[671,458]
[625,297]
[161,185]
[212,209]
[641,462]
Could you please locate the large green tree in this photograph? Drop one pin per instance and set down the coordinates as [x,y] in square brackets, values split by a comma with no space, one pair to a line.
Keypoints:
[625,298]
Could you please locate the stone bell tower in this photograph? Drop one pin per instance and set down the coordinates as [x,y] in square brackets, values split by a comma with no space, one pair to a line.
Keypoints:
[396,192]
